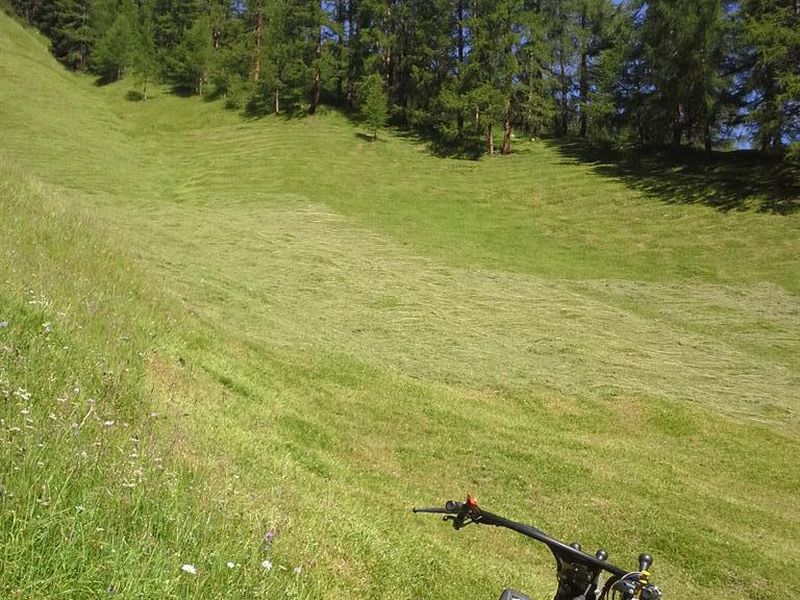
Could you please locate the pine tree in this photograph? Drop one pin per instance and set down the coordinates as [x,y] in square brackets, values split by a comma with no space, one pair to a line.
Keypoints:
[493,64]
[145,55]
[682,44]
[536,107]
[191,60]
[71,32]
[372,102]
[771,37]
[116,47]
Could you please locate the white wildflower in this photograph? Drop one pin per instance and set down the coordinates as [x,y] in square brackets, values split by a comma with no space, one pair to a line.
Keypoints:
[190,569]
[108,423]
[298,569]
[230,564]
[267,565]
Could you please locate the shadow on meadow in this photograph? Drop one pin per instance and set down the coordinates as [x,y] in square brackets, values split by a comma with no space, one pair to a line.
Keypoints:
[741,180]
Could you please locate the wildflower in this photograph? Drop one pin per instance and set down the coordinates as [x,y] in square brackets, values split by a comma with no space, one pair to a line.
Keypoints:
[80,508]
[298,569]
[268,537]
[230,564]
[267,565]
[190,569]
[3,324]
[108,423]
[25,411]
[48,327]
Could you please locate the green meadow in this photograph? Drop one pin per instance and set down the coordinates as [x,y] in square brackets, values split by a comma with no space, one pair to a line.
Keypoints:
[215,328]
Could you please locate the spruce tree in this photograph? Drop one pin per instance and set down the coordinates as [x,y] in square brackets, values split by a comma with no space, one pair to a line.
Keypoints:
[145,56]
[372,102]
[191,60]
[770,37]
[682,45]
[72,33]
[115,50]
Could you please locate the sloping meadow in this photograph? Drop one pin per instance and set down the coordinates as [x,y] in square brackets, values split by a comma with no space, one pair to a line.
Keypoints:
[233,354]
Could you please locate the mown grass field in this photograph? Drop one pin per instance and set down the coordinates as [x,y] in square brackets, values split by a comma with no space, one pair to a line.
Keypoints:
[217,327]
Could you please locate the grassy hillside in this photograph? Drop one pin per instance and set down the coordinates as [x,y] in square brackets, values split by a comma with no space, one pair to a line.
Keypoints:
[327,331]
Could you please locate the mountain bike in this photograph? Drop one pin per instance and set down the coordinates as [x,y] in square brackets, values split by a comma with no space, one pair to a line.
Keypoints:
[578,573]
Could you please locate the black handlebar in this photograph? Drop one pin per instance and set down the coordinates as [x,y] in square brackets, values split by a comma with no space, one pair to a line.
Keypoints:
[461,511]
[578,573]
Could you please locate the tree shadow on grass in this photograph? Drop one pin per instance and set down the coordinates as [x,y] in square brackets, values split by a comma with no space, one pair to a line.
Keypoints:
[368,137]
[741,180]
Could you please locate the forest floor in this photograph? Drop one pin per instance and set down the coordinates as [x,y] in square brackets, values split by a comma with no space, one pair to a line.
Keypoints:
[214,329]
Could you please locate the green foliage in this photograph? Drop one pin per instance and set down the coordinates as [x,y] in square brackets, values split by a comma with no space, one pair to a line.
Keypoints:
[190,64]
[71,32]
[117,48]
[622,73]
[682,48]
[770,35]
[145,54]
[372,101]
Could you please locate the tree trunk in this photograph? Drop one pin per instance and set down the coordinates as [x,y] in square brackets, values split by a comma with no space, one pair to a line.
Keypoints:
[584,79]
[461,41]
[352,43]
[490,140]
[584,93]
[317,87]
[259,34]
[677,127]
[277,102]
[507,128]
[341,19]
[144,89]
[388,67]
